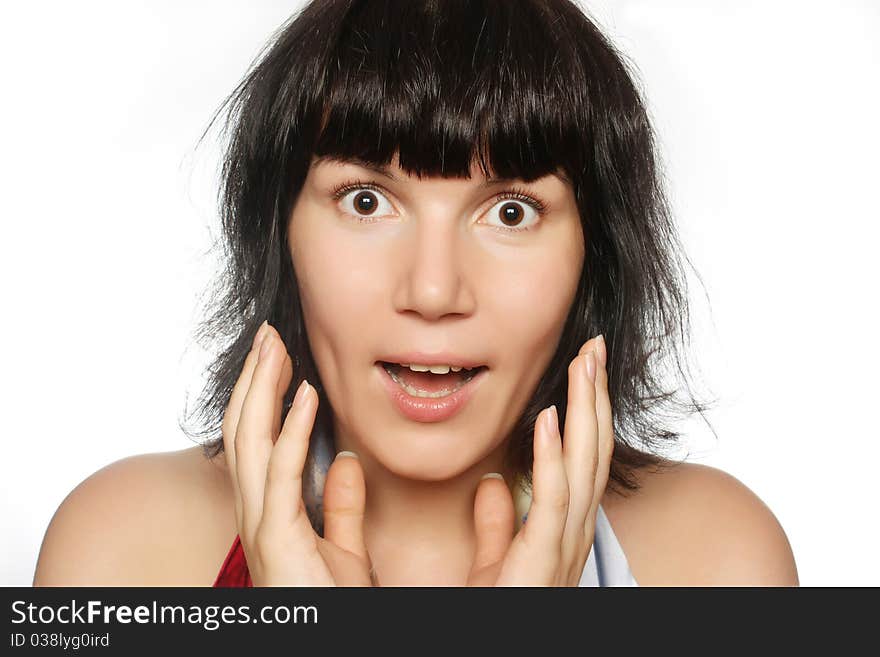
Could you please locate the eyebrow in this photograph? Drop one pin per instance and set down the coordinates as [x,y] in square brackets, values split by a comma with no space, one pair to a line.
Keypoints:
[383,171]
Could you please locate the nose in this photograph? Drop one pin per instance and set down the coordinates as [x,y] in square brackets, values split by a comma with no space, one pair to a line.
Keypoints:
[434,277]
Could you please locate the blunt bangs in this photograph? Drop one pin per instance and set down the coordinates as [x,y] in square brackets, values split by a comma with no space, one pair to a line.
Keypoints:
[447,84]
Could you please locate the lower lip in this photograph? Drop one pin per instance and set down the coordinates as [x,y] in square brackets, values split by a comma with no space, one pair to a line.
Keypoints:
[429,409]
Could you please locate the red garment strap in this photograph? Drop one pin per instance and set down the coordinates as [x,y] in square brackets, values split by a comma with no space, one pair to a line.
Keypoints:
[234,572]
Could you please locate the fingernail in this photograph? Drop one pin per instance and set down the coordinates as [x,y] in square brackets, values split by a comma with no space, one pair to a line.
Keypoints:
[265,347]
[551,421]
[492,475]
[260,334]
[347,453]
[590,359]
[601,350]
[300,393]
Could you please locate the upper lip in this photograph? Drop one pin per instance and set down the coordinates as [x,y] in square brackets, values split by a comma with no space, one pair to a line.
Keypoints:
[440,358]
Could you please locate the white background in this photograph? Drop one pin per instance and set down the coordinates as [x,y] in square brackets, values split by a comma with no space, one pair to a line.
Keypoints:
[767,115]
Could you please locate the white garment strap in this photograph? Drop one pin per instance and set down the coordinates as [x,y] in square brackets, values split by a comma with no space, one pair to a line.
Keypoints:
[607,564]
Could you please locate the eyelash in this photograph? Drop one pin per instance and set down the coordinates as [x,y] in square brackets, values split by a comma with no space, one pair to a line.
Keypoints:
[514,193]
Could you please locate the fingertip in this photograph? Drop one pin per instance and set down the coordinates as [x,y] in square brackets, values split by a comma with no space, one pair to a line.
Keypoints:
[311,397]
[273,332]
[259,336]
[601,350]
[539,433]
[546,434]
[598,347]
[588,346]
[494,520]
[286,375]
[266,329]
[301,399]
[269,340]
[551,423]
[573,366]
[590,363]
[346,467]
[492,481]
[266,346]
[493,496]
[492,484]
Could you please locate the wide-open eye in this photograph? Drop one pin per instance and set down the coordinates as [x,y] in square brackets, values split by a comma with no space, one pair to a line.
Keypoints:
[363,201]
[514,214]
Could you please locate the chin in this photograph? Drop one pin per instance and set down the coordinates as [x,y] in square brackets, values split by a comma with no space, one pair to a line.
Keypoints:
[436,462]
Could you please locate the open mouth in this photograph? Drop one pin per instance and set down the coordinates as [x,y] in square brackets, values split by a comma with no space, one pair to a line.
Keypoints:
[430,384]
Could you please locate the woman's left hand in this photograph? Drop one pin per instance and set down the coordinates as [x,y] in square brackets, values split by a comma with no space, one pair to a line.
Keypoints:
[568,481]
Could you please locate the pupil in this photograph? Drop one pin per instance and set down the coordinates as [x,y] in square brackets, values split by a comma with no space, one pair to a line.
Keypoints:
[365,202]
[511,213]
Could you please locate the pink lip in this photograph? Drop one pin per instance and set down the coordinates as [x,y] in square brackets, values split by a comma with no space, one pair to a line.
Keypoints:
[426,409]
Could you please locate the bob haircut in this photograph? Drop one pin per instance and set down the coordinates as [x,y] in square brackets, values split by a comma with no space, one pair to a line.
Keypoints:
[525,87]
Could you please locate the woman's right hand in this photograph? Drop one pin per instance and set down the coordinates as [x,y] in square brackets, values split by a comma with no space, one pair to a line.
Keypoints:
[266,467]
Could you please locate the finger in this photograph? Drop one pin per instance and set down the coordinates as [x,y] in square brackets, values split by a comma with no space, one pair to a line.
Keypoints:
[282,504]
[605,422]
[233,412]
[253,438]
[493,521]
[543,531]
[236,399]
[281,392]
[580,437]
[344,504]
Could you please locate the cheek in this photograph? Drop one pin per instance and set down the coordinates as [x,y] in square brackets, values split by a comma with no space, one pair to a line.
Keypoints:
[533,300]
[340,289]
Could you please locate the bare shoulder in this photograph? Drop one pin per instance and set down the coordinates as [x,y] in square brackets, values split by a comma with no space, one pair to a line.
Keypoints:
[147,520]
[694,525]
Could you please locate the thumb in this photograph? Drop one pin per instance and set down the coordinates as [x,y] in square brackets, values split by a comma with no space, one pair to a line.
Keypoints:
[344,500]
[493,521]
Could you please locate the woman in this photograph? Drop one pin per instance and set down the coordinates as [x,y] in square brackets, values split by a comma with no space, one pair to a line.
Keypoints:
[451,216]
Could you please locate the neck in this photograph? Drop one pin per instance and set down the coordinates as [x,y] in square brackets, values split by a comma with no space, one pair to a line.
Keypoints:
[421,532]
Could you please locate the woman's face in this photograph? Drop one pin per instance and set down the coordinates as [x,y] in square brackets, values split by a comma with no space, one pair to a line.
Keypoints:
[431,272]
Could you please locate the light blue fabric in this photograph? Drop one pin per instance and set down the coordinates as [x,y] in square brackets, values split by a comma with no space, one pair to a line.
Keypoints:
[607,564]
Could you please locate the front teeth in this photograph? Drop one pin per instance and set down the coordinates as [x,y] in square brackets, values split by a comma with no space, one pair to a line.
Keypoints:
[433,369]
[424,393]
